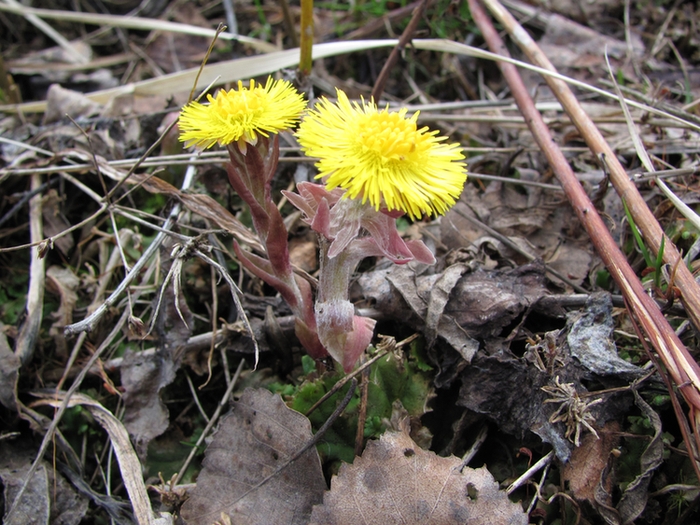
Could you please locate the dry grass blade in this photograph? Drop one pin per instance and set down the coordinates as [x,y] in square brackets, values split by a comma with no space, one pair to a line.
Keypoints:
[133,22]
[37,273]
[219,73]
[15,7]
[645,159]
[129,463]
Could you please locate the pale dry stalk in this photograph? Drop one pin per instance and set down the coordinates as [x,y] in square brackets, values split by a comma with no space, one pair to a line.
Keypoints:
[29,332]
[683,369]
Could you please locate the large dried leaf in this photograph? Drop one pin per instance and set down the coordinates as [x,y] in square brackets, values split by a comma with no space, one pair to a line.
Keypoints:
[243,473]
[395,481]
[517,407]
[501,297]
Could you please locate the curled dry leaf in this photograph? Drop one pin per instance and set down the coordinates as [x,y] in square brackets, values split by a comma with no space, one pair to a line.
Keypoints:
[9,372]
[588,473]
[65,283]
[395,481]
[143,376]
[247,473]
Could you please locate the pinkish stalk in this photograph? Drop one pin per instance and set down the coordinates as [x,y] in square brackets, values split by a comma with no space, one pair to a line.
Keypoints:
[250,173]
[349,231]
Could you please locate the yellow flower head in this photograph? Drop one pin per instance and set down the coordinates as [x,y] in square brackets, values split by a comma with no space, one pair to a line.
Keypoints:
[241,115]
[383,157]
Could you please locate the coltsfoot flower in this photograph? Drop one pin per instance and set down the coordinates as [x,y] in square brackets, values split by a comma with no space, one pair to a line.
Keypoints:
[241,115]
[382,157]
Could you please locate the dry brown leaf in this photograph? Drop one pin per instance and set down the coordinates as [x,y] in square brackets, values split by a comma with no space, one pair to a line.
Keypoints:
[64,282]
[55,222]
[9,372]
[395,481]
[634,499]
[241,477]
[143,376]
[61,102]
[49,498]
[588,466]
[502,296]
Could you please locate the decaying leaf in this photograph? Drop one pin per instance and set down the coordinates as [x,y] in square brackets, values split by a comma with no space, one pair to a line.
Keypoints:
[582,350]
[590,340]
[634,499]
[9,371]
[588,471]
[64,282]
[395,481]
[243,475]
[444,303]
[590,475]
[143,376]
[508,390]
[48,498]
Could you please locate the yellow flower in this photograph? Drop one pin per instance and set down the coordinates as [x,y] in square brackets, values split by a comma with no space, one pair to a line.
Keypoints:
[241,115]
[382,157]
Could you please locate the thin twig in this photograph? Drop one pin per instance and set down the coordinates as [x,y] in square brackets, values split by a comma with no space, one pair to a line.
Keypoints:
[406,37]
[195,397]
[544,461]
[476,446]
